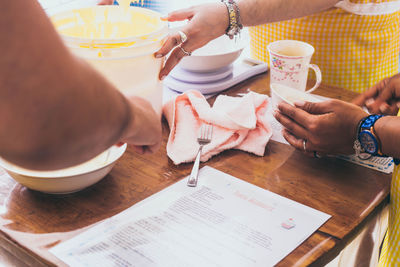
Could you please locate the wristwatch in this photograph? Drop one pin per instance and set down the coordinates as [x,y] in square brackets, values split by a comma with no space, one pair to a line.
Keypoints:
[367,141]
[360,153]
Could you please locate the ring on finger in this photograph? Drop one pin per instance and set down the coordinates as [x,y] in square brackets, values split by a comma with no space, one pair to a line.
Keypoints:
[183,36]
[186,53]
[316,155]
[304,145]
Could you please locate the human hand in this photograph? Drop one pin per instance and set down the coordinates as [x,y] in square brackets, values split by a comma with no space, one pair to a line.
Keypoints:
[328,127]
[144,130]
[206,22]
[382,98]
[105,2]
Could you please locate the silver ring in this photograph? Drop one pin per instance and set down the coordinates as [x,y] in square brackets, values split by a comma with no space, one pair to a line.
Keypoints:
[316,155]
[183,36]
[187,54]
[304,145]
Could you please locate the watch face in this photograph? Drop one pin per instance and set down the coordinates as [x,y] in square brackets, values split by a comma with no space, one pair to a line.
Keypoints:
[368,142]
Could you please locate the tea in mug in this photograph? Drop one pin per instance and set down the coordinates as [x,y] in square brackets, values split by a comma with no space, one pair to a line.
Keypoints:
[291,51]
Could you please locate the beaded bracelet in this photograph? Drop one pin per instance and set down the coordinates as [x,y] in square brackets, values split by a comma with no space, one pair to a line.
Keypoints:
[235,24]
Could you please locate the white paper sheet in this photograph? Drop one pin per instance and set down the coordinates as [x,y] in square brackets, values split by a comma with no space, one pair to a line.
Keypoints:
[275,126]
[224,221]
[382,164]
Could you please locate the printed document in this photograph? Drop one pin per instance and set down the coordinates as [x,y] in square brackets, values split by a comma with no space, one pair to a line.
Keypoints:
[224,221]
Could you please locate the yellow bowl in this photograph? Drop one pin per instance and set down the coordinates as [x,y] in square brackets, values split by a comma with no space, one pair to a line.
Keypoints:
[67,180]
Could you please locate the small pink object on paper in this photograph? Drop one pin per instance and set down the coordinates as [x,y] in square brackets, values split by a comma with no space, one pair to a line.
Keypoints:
[288,224]
[239,123]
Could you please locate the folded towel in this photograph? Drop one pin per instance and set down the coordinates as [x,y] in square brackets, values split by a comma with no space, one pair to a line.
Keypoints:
[239,123]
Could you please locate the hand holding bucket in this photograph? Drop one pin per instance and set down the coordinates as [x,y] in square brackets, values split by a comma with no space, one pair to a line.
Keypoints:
[290,62]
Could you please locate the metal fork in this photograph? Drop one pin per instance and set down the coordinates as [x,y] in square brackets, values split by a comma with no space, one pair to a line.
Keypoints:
[203,138]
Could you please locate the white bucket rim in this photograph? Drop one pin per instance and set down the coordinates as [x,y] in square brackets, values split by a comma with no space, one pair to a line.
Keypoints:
[161,32]
[118,49]
[119,57]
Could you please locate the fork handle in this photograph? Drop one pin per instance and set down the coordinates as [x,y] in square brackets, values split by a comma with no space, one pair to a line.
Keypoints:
[195,170]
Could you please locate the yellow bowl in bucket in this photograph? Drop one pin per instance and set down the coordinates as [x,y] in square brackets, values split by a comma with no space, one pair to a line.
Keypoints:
[119,43]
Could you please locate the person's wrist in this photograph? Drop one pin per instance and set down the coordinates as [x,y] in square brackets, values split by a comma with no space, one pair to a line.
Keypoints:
[130,128]
[379,124]
[356,122]
[224,17]
[356,126]
[234,25]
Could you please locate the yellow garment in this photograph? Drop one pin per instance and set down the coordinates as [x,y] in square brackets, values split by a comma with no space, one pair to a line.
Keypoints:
[390,254]
[352,51]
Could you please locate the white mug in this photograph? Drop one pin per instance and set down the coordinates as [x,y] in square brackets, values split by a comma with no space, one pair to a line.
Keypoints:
[290,62]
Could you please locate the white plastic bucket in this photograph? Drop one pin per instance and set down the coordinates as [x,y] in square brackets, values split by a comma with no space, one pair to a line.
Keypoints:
[121,49]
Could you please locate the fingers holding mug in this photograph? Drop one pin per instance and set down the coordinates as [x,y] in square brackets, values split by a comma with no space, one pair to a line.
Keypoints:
[301,144]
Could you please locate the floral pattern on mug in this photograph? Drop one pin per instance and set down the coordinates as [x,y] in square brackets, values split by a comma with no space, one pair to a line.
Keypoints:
[278,63]
[292,76]
[296,67]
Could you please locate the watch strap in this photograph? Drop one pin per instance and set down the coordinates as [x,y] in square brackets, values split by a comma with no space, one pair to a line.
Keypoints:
[367,124]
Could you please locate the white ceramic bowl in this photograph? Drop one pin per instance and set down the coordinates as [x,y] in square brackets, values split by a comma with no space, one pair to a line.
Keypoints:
[289,95]
[215,55]
[67,180]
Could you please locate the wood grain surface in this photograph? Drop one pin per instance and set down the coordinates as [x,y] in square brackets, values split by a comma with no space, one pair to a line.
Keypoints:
[31,222]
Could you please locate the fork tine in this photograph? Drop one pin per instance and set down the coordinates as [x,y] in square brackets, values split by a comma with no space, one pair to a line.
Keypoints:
[204,137]
[207,128]
[205,132]
[211,132]
[201,132]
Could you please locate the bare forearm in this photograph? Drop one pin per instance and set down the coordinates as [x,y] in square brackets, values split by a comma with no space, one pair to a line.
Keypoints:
[55,110]
[256,12]
[388,132]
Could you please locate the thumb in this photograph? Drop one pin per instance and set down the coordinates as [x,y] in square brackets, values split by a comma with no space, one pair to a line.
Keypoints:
[315,107]
[105,2]
[388,95]
[179,15]
[359,100]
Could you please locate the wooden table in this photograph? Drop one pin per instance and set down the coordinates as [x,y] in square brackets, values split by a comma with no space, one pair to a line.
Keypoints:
[31,222]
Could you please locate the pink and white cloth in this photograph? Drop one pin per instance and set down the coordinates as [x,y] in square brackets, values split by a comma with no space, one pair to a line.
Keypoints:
[239,123]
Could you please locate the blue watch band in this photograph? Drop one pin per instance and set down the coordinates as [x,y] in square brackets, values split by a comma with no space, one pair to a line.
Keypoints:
[369,121]
[367,137]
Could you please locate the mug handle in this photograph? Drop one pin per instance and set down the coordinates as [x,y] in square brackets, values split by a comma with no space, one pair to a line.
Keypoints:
[318,75]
